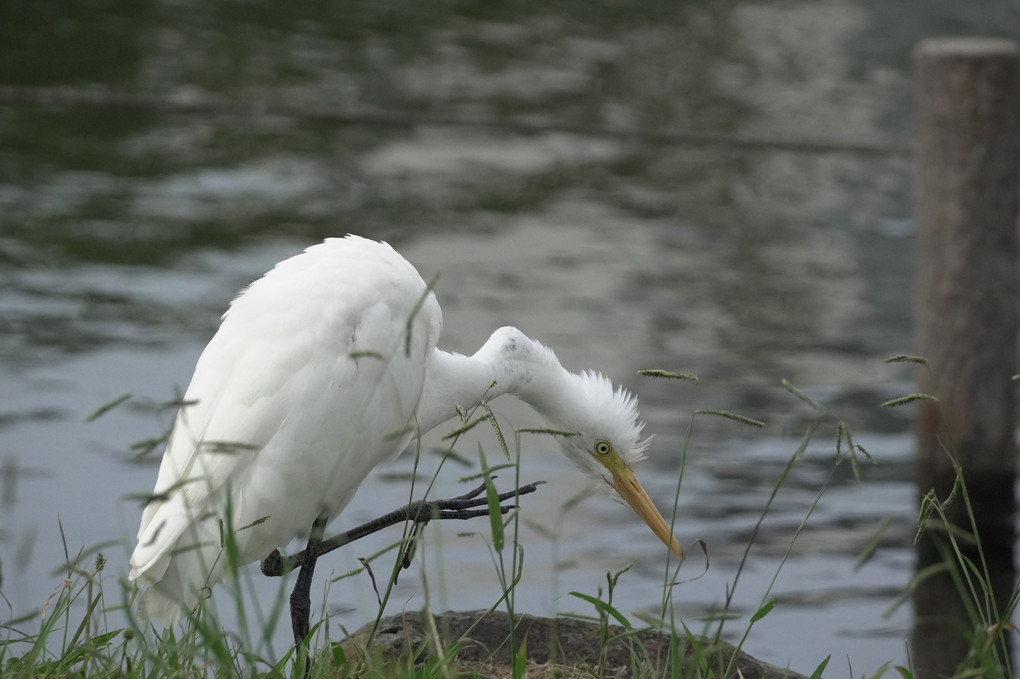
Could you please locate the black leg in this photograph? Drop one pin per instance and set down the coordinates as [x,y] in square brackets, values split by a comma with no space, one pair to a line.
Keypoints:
[420,512]
[301,597]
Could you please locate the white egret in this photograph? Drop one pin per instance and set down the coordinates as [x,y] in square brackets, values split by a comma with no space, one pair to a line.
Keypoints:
[321,370]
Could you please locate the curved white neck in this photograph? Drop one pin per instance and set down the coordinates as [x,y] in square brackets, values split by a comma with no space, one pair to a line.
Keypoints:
[453,380]
[508,363]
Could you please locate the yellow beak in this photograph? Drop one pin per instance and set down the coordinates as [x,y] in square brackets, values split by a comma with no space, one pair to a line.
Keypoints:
[626,484]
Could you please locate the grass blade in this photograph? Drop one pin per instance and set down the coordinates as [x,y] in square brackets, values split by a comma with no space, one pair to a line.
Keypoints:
[817,674]
[802,396]
[667,374]
[107,407]
[909,398]
[763,611]
[492,501]
[604,607]
[732,416]
[906,358]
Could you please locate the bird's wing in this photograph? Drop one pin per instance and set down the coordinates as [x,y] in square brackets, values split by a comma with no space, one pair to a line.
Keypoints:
[300,393]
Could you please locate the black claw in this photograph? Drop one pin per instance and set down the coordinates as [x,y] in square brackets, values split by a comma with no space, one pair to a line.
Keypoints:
[272,565]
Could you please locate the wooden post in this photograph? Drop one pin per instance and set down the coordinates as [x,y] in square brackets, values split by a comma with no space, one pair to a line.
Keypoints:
[967,184]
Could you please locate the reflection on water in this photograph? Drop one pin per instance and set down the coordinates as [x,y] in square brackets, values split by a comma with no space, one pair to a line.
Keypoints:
[123,235]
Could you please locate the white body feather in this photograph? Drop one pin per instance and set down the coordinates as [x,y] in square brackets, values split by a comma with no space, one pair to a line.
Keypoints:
[284,421]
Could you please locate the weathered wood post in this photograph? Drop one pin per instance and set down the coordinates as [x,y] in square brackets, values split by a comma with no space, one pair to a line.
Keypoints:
[966,191]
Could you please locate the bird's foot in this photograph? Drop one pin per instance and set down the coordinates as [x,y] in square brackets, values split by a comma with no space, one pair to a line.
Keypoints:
[468,506]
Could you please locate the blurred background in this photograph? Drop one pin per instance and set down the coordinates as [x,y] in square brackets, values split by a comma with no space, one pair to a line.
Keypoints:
[125,233]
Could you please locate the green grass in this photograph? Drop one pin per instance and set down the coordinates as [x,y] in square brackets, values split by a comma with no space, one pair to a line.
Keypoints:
[76,631]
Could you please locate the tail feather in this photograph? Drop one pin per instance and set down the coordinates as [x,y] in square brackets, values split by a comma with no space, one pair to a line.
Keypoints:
[173,581]
[160,603]
[158,538]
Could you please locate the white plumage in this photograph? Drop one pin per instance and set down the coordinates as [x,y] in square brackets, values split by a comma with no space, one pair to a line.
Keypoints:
[321,370]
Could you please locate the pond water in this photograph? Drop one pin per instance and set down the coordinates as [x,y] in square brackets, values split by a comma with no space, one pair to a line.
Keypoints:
[123,235]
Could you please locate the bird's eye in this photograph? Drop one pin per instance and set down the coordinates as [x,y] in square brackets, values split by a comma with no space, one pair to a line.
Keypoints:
[602,447]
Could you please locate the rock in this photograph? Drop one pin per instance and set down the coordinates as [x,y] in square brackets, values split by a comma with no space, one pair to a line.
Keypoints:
[558,647]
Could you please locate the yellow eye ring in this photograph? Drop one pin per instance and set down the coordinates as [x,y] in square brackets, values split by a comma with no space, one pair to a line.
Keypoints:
[602,447]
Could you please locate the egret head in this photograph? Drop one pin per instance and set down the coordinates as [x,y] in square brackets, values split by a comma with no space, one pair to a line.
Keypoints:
[606,443]
[602,432]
